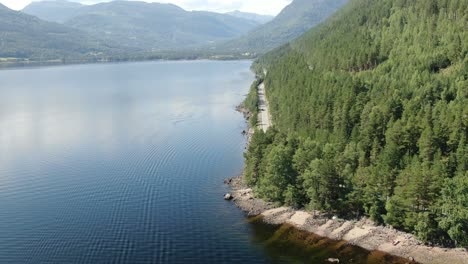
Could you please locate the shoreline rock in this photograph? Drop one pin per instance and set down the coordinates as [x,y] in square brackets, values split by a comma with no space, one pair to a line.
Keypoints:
[241,109]
[363,233]
[228,197]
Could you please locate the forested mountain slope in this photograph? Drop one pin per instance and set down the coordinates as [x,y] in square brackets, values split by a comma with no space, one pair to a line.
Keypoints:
[293,21]
[371,110]
[26,37]
[147,26]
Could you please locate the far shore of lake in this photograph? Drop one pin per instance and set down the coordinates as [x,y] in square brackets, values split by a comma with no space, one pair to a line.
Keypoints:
[11,63]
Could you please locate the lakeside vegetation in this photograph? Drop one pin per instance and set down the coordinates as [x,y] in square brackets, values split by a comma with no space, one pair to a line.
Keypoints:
[125,57]
[251,103]
[371,116]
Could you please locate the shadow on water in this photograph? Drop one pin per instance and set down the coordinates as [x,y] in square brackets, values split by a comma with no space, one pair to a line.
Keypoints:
[286,244]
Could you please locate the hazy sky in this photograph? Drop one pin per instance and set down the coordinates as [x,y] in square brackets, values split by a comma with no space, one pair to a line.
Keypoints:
[271,7]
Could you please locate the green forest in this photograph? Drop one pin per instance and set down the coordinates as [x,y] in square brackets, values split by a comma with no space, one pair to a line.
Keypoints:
[371,118]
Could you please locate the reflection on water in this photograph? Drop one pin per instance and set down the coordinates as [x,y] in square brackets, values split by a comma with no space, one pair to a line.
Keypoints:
[124,163]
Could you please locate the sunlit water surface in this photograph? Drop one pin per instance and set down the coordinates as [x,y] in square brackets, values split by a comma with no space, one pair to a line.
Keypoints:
[124,163]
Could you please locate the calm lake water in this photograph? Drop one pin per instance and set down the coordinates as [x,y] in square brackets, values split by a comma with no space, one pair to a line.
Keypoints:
[124,163]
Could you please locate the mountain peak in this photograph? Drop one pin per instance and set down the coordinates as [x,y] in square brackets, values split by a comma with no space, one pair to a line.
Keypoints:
[3,6]
[54,3]
[53,10]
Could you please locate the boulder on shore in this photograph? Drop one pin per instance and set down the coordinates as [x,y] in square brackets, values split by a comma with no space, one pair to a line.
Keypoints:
[228,197]
[228,181]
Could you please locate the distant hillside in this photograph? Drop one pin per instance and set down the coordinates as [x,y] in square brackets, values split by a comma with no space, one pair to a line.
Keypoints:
[55,11]
[262,19]
[26,37]
[149,26]
[293,21]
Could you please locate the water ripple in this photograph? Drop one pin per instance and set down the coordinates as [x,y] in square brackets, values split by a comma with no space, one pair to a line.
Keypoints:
[113,167]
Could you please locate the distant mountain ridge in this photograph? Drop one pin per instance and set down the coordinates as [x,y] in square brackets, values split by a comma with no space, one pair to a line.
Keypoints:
[26,37]
[262,19]
[293,21]
[147,26]
[134,29]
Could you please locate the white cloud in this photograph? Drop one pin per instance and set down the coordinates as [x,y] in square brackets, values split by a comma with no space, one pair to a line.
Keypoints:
[271,7]
[15,4]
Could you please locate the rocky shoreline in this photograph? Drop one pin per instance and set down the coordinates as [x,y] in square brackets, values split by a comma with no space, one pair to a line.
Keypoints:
[363,233]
